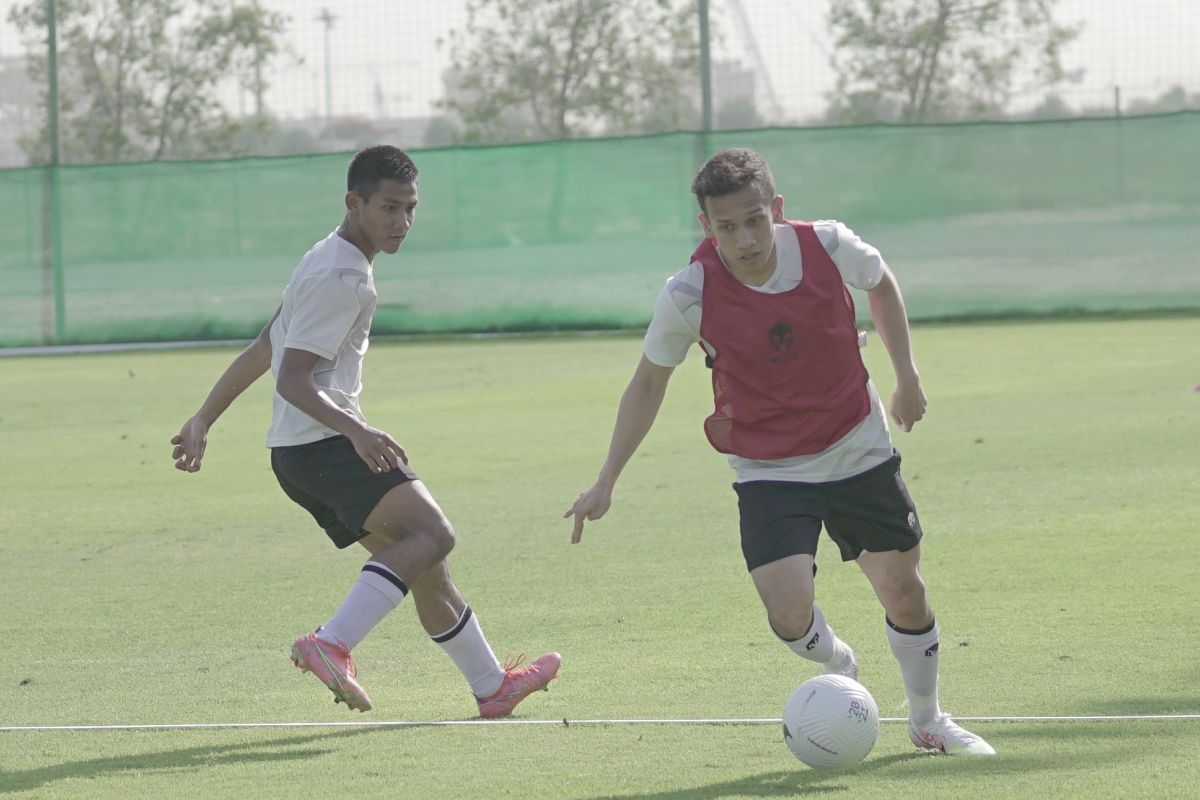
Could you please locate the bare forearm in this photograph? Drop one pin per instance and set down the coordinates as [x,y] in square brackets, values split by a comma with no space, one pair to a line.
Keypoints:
[636,414]
[300,391]
[891,323]
[248,367]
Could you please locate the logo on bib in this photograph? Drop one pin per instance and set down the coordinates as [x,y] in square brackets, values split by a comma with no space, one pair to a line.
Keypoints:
[781,336]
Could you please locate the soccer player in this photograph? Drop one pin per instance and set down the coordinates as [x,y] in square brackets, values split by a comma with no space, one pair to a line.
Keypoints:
[355,479]
[798,418]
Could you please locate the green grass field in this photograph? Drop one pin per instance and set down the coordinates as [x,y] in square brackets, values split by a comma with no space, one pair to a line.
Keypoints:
[1057,475]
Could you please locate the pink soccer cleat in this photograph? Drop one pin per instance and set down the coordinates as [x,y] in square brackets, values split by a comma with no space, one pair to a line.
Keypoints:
[334,667]
[519,683]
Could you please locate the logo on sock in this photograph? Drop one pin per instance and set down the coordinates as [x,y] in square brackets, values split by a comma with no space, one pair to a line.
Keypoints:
[813,642]
[932,651]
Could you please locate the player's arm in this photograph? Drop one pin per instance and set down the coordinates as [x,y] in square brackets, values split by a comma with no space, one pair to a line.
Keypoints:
[248,367]
[295,384]
[635,415]
[891,323]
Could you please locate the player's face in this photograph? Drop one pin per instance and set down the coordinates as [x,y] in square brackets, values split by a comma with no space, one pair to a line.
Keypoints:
[742,223]
[387,216]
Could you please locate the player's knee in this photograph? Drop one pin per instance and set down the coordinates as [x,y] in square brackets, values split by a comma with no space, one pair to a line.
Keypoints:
[791,621]
[441,539]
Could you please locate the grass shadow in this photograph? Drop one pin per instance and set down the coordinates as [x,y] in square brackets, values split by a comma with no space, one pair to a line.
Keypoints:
[916,767]
[186,759]
[786,783]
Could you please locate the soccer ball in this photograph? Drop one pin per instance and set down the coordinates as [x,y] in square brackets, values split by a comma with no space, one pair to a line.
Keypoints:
[831,722]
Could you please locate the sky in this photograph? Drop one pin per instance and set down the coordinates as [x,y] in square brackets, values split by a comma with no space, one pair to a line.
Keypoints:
[386,53]
[1144,50]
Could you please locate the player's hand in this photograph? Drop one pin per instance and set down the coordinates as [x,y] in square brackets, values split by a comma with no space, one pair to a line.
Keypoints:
[908,404]
[592,504]
[189,445]
[379,451]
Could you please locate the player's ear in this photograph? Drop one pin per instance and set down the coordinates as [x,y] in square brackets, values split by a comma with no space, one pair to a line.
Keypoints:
[704,224]
[777,208]
[353,202]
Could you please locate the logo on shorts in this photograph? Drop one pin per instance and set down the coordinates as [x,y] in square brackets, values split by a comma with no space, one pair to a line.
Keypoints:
[912,520]
[781,336]
[816,638]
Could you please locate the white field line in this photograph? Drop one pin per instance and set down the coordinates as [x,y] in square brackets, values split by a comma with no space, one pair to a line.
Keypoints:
[566,723]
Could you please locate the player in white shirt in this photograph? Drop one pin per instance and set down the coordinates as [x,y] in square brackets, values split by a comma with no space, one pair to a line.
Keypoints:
[799,420]
[355,479]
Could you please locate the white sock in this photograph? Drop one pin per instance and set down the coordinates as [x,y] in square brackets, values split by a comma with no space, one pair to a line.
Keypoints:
[820,643]
[376,592]
[917,652]
[472,654]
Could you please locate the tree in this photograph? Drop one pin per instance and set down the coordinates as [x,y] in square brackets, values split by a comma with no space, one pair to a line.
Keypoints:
[737,113]
[138,79]
[932,60]
[529,69]
[1175,98]
[1052,106]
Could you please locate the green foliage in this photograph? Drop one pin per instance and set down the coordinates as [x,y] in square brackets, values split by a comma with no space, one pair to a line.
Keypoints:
[938,60]
[138,79]
[1176,98]
[554,69]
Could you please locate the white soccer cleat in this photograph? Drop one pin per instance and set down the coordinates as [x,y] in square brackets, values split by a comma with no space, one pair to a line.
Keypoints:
[944,735]
[843,663]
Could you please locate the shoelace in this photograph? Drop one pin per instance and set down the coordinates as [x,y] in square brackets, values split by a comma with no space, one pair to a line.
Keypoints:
[511,662]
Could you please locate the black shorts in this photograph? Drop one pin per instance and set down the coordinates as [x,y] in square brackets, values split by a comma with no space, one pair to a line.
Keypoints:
[870,511]
[336,486]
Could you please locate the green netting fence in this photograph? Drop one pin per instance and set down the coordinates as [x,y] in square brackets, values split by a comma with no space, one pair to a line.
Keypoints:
[978,220]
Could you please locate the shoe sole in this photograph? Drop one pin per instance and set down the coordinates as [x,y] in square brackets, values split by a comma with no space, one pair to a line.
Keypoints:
[928,748]
[353,700]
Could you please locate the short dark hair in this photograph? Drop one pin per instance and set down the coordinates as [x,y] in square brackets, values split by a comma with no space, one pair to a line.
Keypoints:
[731,171]
[379,163]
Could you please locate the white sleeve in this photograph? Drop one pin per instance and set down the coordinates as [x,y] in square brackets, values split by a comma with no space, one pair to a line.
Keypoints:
[323,312]
[669,335]
[861,264]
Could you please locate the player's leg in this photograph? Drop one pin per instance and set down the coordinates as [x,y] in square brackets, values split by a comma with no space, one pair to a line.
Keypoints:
[454,627]
[911,628]
[913,634]
[786,590]
[407,535]
[347,499]
[779,541]
[873,520]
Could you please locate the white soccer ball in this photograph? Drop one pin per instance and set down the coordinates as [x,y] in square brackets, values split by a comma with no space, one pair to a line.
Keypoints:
[831,722]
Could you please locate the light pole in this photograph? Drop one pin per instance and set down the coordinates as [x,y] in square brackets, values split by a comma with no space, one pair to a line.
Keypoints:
[706,109]
[326,18]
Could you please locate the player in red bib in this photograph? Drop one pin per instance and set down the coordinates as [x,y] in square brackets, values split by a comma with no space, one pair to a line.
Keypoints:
[797,416]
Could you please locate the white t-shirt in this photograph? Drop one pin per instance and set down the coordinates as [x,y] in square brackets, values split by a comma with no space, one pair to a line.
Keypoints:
[675,329]
[327,309]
